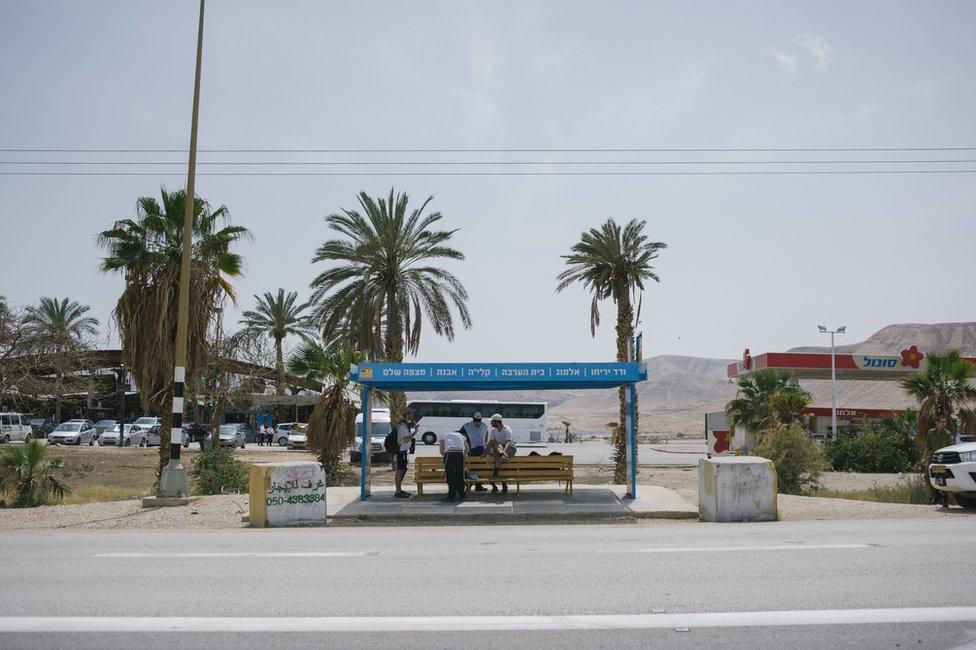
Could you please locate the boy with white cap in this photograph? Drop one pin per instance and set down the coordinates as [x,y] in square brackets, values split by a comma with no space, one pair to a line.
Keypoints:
[501,445]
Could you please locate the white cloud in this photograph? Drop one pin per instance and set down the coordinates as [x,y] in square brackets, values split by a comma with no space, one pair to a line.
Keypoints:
[809,45]
[818,48]
[785,60]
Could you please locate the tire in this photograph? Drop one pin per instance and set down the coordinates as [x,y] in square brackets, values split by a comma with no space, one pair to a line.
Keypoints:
[91,443]
[283,441]
[6,439]
[126,443]
[969,503]
[143,443]
[429,438]
[243,443]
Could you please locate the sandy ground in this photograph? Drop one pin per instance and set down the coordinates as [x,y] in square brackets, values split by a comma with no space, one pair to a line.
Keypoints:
[127,467]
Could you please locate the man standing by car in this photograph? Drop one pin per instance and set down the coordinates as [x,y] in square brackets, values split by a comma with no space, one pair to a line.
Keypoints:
[476,433]
[501,445]
[453,450]
[406,430]
[937,437]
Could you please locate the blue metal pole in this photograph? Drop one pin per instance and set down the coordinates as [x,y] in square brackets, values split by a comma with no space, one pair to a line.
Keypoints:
[632,456]
[364,448]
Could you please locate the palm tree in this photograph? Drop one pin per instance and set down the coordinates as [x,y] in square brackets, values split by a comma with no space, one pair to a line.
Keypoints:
[278,316]
[29,479]
[147,250]
[614,262]
[764,399]
[59,326]
[383,285]
[330,427]
[941,389]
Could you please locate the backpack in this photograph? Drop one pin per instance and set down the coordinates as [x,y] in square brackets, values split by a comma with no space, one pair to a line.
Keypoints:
[390,443]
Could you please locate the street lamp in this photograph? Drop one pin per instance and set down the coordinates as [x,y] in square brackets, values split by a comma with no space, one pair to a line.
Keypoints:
[172,483]
[833,377]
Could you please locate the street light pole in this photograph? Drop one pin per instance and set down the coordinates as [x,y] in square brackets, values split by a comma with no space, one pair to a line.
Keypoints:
[833,377]
[172,483]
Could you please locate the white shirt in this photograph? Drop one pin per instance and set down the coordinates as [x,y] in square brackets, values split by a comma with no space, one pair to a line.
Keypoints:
[453,441]
[403,432]
[477,433]
[502,436]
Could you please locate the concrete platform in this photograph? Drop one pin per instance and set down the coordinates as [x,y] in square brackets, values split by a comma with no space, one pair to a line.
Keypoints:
[537,502]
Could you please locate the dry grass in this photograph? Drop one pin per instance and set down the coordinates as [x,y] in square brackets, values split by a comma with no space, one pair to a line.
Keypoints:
[913,490]
[95,493]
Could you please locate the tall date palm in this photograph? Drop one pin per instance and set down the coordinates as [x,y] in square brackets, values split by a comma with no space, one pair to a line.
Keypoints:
[613,262]
[382,284]
[147,251]
[278,315]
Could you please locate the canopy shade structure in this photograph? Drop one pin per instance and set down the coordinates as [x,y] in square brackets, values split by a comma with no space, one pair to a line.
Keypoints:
[495,376]
[806,365]
[462,377]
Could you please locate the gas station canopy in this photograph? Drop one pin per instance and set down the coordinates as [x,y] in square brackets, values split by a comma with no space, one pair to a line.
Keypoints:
[805,365]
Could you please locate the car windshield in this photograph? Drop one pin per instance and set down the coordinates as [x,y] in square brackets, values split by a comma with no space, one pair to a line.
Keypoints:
[117,426]
[105,423]
[69,426]
[228,429]
[145,421]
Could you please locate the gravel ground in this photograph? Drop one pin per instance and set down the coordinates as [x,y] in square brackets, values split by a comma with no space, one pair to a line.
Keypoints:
[225,511]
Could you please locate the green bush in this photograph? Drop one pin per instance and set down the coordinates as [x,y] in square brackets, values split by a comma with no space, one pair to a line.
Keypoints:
[799,461]
[885,446]
[217,468]
[914,489]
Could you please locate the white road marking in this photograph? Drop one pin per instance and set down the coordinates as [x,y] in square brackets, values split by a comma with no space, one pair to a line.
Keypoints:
[774,547]
[95,624]
[191,555]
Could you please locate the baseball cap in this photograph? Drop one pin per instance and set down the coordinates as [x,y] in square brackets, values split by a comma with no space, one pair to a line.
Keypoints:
[496,417]
[477,415]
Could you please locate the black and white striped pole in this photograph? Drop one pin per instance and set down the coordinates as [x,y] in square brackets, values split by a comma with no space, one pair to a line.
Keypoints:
[172,483]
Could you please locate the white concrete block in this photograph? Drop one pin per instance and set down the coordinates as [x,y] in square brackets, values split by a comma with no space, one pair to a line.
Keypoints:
[287,494]
[737,488]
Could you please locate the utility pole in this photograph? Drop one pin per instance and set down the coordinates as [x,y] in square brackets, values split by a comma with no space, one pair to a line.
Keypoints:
[172,483]
[833,377]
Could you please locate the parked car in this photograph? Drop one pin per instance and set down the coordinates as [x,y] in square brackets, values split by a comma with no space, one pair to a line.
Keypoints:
[41,426]
[152,427]
[952,469]
[14,427]
[294,439]
[73,432]
[233,435]
[102,426]
[380,428]
[130,437]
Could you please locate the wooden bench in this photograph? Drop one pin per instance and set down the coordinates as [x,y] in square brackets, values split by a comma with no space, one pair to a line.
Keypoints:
[517,470]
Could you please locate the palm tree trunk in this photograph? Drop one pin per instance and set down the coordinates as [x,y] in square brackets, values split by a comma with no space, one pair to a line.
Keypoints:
[279,367]
[625,330]
[394,352]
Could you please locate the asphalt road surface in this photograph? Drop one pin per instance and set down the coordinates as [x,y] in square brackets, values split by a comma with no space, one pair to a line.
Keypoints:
[809,584]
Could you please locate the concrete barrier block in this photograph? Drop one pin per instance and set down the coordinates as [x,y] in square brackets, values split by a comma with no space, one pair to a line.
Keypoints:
[737,488]
[286,494]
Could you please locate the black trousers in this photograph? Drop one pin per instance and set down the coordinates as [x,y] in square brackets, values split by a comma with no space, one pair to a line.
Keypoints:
[454,473]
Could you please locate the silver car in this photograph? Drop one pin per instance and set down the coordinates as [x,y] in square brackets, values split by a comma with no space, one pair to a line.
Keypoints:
[73,432]
[138,437]
[102,426]
[150,428]
[233,435]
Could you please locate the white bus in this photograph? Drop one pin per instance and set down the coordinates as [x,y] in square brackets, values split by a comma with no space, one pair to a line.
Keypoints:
[528,420]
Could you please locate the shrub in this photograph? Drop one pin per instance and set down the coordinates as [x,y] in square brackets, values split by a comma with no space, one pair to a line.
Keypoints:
[915,489]
[217,468]
[884,446]
[27,478]
[799,461]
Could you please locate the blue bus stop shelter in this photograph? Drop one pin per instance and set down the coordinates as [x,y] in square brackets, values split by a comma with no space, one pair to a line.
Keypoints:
[464,377]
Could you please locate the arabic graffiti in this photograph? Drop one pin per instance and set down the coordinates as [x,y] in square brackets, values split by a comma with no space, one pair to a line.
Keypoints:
[296,494]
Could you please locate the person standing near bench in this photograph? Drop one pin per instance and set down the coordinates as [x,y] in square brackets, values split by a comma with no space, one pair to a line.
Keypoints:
[453,450]
[501,445]
[476,433]
[406,430]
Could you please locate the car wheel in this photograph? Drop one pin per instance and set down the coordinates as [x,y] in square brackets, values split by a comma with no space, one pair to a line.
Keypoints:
[969,503]
[6,439]
[143,443]
[126,443]
[91,443]
[429,438]
[282,442]
[242,444]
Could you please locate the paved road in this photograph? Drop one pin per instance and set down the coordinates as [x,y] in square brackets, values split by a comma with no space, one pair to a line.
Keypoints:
[617,585]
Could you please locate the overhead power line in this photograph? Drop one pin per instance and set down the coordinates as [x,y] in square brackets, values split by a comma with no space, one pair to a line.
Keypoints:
[496,150]
[490,162]
[812,172]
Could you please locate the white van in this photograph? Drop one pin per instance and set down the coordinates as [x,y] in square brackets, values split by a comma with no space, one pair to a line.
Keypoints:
[14,427]
[381,427]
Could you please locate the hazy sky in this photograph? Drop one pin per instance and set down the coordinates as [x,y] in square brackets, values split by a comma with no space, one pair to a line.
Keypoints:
[752,261]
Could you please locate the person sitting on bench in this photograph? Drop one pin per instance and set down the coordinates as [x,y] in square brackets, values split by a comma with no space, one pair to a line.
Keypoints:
[501,445]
